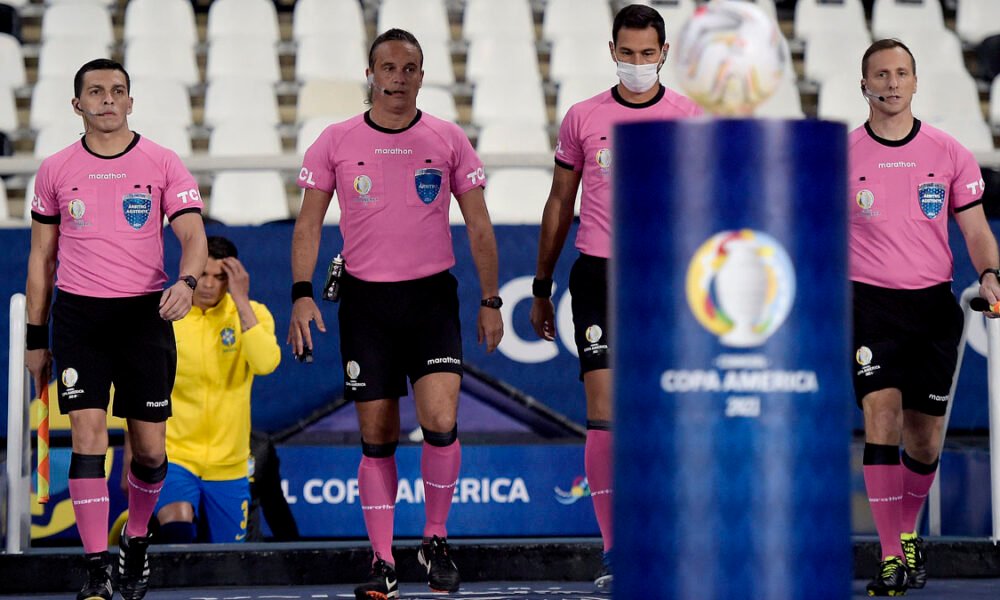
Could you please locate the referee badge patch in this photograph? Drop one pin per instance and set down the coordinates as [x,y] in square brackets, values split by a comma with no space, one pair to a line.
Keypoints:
[428,182]
[931,196]
[136,208]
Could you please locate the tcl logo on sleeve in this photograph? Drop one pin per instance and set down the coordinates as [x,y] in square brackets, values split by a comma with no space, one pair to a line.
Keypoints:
[476,176]
[976,186]
[189,195]
[306,176]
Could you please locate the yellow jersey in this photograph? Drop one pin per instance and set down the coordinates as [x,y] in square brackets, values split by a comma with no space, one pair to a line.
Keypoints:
[209,432]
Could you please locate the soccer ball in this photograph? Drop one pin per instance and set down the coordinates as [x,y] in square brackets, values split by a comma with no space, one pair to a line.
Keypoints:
[731,56]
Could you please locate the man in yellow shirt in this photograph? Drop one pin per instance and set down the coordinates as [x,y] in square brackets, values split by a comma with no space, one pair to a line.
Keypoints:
[222,344]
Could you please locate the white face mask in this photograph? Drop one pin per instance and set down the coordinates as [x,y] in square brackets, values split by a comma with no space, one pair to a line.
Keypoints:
[639,78]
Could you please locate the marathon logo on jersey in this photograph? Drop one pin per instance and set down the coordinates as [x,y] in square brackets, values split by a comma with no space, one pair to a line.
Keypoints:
[428,182]
[136,208]
[931,197]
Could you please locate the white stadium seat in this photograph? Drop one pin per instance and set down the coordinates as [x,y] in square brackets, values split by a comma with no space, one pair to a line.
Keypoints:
[168,134]
[57,135]
[240,100]
[248,197]
[438,102]
[8,109]
[506,138]
[341,19]
[491,102]
[50,102]
[63,57]
[847,17]
[427,20]
[161,99]
[173,19]
[976,20]
[895,18]
[507,20]
[517,196]
[243,57]
[78,20]
[577,18]
[255,18]
[145,58]
[309,131]
[511,59]
[337,100]
[331,58]
[244,138]
[12,71]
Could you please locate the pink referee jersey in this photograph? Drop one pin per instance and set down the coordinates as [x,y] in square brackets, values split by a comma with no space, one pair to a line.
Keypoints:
[585,144]
[900,194]
[110,214]
[394,188]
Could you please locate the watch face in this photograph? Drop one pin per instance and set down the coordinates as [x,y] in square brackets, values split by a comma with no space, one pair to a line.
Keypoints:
[494,302]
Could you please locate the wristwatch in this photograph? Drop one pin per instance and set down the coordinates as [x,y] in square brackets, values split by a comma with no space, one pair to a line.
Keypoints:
[189,280]
[491,302]
[990,270]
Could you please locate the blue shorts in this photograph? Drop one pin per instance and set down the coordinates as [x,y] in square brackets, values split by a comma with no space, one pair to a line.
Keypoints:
[222,504]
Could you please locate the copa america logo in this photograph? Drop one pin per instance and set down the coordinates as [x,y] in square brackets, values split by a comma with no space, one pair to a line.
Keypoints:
[741,286]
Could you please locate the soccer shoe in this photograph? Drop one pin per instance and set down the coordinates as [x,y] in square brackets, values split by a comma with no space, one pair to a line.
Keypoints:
[98,586]
[605,577]
[382,585]
[442,574]
[891,579]
[133,566]
[916,559]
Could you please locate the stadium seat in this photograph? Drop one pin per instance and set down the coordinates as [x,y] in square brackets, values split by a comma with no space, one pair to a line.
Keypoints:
[50,102]
[10,21]
[242,57]
[509,20]
[168,134]
[255,18]
[78,20]
[945,94]
[342,19]
[18,4]
[438,102]
[29,194]
[337,100]
[674,14]
[309,131]
[173,19]
[576,18]
[145,58]
[161,99]
[906,19]
[576,89]
[828,53]
[8,110]
[63,57]
[248,197]
[975,20]
[491,102]
[12,71]
[239,138]
[240,100]
[785,103]
[102,3]
[517,196]
[935,50]
[811,16]
[995,103]
[969,129]
[438,67]
[330,57]
[4,209]
[57,135]
[575,57]
[840,99]
[427,19]
[513,59]
[513,139]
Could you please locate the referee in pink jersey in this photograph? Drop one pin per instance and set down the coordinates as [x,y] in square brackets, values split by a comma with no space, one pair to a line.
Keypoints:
[905,177]
[639,48]
[394,169]
[97,236]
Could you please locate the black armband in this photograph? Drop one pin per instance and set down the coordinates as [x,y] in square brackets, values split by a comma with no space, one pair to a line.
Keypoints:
[541,288]
[36,337]
[993,270]
[302,289]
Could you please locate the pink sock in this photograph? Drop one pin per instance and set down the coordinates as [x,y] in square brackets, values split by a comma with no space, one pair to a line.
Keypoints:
[597,466]
[377,481]
[91,506]
[439,467]
[885,496]
[916,486]
[142,499]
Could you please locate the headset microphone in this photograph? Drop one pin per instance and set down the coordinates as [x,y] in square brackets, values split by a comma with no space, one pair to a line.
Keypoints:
[864,90]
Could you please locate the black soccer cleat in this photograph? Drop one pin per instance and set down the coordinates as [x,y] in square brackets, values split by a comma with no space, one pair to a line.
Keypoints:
[98,586]
[891,579]
[606,576]
[442,574]
[916,559]
[381,585]
[133,566]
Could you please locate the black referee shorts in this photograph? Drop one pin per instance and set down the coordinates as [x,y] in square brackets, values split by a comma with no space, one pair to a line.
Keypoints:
[97,342]
[588,286]
[906,339]
[393,330]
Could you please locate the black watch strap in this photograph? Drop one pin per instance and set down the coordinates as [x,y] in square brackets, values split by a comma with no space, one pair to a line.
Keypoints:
[541,288]
[189,280]
[993,270]
[491,302]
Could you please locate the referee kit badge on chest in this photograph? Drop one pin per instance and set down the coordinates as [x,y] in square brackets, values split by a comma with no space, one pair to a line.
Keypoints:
[428,182]
[136,207]
[931,196]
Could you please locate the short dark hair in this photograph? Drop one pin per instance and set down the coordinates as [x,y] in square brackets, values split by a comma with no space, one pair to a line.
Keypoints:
[885,44]
[394,35]
[639,16]
[220,247]
[99,64]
